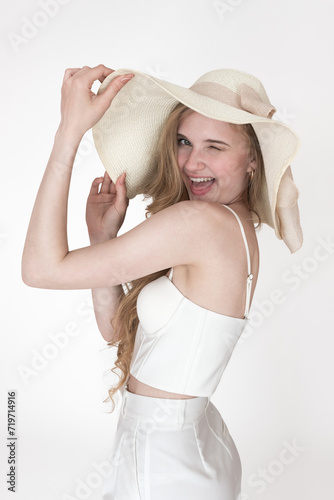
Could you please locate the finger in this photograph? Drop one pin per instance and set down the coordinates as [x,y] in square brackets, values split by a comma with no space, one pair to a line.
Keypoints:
[112,89]
[95,185]
[70,72]
[89,75]
[105,188]
[112,186]
[122,200]
[104,77]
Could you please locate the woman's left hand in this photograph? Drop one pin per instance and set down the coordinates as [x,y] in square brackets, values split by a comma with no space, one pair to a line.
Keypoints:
[80,107]
[106,209]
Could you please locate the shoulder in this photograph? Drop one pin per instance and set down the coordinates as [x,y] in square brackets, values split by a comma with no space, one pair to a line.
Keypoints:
[180,215]
[195,212]
[212,216]
[192,219]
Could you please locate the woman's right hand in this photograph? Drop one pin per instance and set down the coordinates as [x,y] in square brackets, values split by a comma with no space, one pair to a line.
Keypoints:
[80,107]
[106,209]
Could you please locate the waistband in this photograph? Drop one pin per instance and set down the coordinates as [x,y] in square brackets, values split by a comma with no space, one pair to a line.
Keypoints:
[161,412]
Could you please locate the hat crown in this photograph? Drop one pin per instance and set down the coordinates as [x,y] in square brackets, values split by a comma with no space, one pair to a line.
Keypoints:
[233,79]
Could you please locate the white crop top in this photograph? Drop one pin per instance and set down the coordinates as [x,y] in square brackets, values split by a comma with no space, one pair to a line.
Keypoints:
[181,347]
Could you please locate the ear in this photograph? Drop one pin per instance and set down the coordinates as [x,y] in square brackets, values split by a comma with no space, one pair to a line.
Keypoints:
[252,165]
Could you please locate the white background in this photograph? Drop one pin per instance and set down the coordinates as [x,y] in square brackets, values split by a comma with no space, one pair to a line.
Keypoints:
[277,390]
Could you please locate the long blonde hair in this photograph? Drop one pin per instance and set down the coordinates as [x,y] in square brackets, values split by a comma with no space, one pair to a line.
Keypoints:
[166,188]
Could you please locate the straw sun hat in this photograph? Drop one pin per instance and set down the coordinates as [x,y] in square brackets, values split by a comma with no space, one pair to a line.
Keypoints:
[127,135]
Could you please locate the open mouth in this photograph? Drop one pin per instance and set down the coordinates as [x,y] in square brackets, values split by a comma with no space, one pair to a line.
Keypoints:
[199,184]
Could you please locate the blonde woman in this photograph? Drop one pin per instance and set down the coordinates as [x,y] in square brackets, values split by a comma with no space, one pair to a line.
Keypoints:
[180,284]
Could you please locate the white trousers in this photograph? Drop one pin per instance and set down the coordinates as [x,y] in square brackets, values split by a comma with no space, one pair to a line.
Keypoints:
[172,449]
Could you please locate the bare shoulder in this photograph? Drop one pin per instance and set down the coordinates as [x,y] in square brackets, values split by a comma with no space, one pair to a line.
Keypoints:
[217,280]
[218,218]
[192,209]
[196,212]
[214,221]
[191,216]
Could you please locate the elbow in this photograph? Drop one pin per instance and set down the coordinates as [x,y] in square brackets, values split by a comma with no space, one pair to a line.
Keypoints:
[32,276]
[31,283]
[29,278]
[26,274]
[110,337]
[36,281]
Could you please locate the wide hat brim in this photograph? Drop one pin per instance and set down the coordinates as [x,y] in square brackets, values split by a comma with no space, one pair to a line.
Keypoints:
[127,134]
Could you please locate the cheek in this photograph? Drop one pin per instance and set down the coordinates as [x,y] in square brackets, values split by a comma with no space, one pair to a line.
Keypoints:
[231,171]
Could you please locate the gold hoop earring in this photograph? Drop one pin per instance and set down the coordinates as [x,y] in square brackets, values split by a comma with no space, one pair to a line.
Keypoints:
[251,175]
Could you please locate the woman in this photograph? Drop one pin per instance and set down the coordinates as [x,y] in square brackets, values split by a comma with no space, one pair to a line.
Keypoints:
[192,265]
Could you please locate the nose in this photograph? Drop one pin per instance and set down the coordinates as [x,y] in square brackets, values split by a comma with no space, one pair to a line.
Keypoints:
[193,161]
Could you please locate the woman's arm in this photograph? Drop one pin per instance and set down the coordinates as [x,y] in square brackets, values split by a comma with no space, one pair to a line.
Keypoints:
[177,235]
[174,236]
[105,213]
[46,241]
[105,302]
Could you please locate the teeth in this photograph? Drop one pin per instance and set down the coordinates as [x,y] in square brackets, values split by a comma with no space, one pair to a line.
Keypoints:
[201,179]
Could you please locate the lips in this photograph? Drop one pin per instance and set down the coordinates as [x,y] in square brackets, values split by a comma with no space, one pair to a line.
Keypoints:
[200,185]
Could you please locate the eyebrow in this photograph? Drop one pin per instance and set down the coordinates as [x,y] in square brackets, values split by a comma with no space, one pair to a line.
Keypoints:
[216,141]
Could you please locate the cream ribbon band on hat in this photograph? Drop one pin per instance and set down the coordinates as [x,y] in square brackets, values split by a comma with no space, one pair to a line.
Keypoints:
[247,99]
[126,137]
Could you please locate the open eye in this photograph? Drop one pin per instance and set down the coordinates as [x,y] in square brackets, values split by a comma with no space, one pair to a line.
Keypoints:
[183,141]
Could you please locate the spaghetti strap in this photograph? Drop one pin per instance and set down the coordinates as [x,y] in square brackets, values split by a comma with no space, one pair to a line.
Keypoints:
[249,276]
[170,276]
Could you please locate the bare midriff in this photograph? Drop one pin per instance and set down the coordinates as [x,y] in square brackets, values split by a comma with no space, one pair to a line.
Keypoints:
[137,387]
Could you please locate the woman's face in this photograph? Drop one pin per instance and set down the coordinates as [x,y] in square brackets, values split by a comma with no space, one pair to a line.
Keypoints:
[213,158]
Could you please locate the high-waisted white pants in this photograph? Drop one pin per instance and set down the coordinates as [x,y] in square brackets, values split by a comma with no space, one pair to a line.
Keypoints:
[172,449]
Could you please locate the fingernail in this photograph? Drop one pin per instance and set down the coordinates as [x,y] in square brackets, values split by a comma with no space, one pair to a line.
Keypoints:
[127,77]
[123,178]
